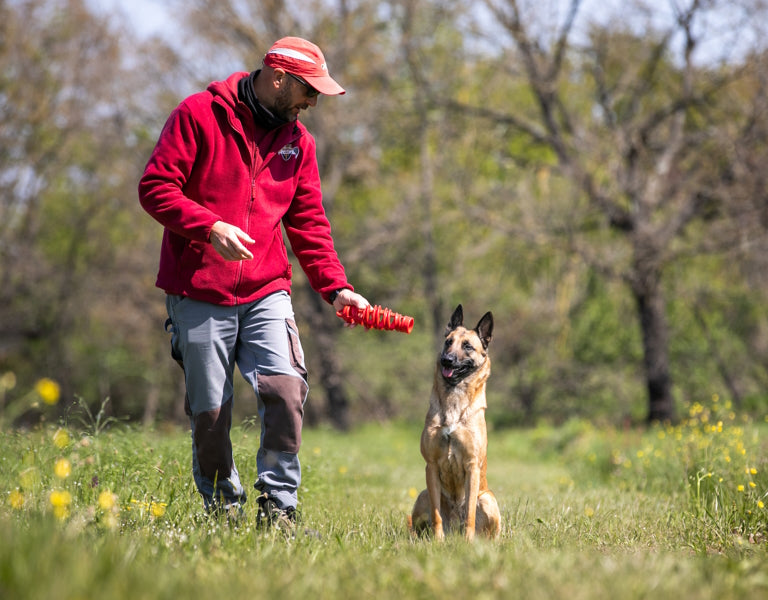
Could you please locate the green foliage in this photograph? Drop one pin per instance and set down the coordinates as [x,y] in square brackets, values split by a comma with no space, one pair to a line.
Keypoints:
[92,424]
[438,171]
[118,515]
[713,462]
[599,326]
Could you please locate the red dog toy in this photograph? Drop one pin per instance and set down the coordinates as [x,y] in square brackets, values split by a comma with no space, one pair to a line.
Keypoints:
[376,317]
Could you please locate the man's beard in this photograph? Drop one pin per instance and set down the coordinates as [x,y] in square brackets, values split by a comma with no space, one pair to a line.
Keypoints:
[282,106]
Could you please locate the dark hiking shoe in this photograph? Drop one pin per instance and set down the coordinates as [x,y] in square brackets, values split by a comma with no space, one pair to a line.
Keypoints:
[286,520]
[271,515]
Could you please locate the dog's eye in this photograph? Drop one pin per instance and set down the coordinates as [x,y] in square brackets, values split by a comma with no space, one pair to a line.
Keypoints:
[467,347]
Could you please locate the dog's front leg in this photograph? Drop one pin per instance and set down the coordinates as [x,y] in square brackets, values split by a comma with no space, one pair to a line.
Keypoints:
[435,496]
[472,491]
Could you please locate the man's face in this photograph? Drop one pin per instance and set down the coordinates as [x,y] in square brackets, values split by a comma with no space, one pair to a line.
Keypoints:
[292,97]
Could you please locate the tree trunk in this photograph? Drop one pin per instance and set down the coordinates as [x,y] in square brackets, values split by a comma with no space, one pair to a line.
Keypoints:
[655,331]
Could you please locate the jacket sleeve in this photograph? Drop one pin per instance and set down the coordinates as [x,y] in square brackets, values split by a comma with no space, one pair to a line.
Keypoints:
[161,188]
[309,231]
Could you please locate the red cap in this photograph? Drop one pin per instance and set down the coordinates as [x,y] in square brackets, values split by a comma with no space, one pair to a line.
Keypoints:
[300,57]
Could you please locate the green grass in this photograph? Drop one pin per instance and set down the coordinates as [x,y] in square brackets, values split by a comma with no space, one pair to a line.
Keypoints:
[587,512]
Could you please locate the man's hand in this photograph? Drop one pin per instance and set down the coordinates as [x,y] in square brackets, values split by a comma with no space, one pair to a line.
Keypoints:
[229,241]
[347,297]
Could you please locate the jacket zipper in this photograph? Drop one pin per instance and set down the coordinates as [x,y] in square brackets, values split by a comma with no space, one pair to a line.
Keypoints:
[253,148]
[247,223]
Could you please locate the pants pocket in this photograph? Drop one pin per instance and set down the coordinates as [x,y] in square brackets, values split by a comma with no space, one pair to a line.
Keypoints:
[294,348]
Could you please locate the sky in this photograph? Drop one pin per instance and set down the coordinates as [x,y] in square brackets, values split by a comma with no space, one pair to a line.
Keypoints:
[148,17]
[152,17]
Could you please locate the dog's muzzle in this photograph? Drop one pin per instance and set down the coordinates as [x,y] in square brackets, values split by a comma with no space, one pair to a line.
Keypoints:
[453,370]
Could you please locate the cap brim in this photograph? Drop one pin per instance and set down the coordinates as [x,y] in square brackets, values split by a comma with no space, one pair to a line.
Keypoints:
[325,85]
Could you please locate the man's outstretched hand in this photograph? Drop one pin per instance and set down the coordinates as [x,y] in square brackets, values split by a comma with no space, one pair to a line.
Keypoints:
[347,297]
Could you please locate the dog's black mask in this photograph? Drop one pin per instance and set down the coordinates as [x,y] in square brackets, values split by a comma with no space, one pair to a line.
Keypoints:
[454,370]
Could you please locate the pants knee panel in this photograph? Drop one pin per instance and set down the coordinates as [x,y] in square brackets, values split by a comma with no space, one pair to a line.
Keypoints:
[212,443]
[283,398]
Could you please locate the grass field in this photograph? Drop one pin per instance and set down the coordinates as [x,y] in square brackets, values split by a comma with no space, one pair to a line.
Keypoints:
[675,512]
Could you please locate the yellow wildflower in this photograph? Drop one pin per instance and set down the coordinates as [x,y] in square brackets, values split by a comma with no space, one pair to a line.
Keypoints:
[16,499]
[752,484]
[760,504]
[589,511]
[740,488]
[157,509]
[63,468]
[753,471]
[413,492]
[61,438]
[48,390]
[60,501]
[107,500]
[60,498]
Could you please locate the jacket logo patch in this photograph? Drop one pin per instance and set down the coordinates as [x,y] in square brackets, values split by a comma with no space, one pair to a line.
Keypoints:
[288,151]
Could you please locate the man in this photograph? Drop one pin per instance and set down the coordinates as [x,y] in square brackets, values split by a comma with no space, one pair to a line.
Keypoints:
[231,164]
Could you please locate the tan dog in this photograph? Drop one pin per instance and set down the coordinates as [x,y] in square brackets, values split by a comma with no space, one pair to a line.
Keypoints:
[454,440]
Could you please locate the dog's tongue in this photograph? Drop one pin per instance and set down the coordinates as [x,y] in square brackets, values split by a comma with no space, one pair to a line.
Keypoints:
[447,373]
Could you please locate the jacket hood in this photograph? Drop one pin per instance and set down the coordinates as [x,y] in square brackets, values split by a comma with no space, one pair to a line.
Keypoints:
[227,89]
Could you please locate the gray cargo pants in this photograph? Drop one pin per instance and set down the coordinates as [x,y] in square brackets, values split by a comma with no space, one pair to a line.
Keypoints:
[261,338]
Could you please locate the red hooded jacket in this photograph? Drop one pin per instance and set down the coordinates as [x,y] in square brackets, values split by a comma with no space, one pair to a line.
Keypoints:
[213,163]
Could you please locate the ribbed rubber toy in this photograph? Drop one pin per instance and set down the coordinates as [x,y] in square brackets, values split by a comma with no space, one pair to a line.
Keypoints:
[377,317]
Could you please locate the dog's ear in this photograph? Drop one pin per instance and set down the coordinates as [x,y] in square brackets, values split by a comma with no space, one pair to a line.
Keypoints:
[484,329]
[457,319]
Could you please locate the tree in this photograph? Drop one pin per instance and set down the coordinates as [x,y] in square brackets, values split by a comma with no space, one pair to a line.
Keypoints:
[71,239]
[633,147]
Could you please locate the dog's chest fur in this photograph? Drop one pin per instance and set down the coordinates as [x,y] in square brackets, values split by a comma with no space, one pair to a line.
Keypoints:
[453,437]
